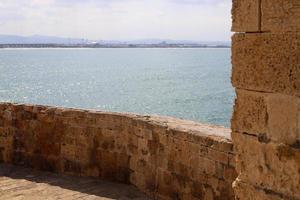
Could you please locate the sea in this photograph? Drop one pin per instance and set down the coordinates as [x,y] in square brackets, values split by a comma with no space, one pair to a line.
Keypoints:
[192,84]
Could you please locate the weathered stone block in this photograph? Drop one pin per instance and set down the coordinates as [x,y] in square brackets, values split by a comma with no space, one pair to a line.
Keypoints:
[207,166]
[84,139]
[138,180]
[245,16]
[48,132]
[224,145]
[250,112]
[143,147]
[197,190]
[85,156]
[107,142]
[121,144]
[268,166]
[45,117]
[132,142]
[269,116]
[179,149]
[173,185]
[267,62]
[232,160]
[221,191]
[220,157]
[68,152]
[280,15]
[162,162]
[163,139]
[283,112]
[139,165]
[6,147]
[153,147]
[178,168]
[48,149]
[229,174]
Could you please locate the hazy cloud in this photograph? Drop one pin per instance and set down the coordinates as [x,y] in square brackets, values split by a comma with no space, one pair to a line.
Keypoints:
[118,19]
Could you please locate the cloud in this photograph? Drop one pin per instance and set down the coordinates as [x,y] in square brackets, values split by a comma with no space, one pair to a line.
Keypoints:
[118,19]
[199,2]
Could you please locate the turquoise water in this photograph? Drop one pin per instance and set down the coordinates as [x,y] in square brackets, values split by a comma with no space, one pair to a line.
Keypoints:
[185,83]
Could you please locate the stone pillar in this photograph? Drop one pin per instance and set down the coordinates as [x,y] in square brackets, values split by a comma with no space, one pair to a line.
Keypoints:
[266,119]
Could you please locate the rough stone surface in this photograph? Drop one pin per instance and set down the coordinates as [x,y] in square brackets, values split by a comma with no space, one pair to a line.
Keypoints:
[248,192]
[283,114]
[26,184]
[250,112]
[266,62]
[266,118]
[164,157]
[270,166]
[280,15]
[245,15]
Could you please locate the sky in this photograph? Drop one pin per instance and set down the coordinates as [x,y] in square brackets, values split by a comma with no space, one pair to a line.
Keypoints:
[200,20]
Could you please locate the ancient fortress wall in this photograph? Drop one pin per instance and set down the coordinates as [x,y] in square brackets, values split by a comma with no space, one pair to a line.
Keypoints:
[164,157]
[266,120]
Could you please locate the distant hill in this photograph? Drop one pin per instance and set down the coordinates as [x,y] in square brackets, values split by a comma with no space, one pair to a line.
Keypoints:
[41,39]
[167,41]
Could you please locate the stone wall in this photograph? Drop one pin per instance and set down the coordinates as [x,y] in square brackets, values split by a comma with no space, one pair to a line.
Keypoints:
[166,158]
[266,119]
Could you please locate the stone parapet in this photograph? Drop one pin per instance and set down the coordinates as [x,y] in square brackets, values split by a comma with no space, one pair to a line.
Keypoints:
[165,157]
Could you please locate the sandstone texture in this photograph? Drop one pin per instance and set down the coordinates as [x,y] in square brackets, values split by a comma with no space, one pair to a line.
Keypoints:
[272,166]
[269,116]
[266,62]
[280,15]
[275,16]
[248,192]
[266,119]
[250,112]
[164,157]
[246,15]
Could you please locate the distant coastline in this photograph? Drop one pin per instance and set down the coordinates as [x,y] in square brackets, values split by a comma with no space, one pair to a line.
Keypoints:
[163,45]
[41,41]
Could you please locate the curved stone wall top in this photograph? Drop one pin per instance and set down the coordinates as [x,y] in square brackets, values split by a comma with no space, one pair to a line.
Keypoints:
[191,127]
[214,131]
[165,157]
